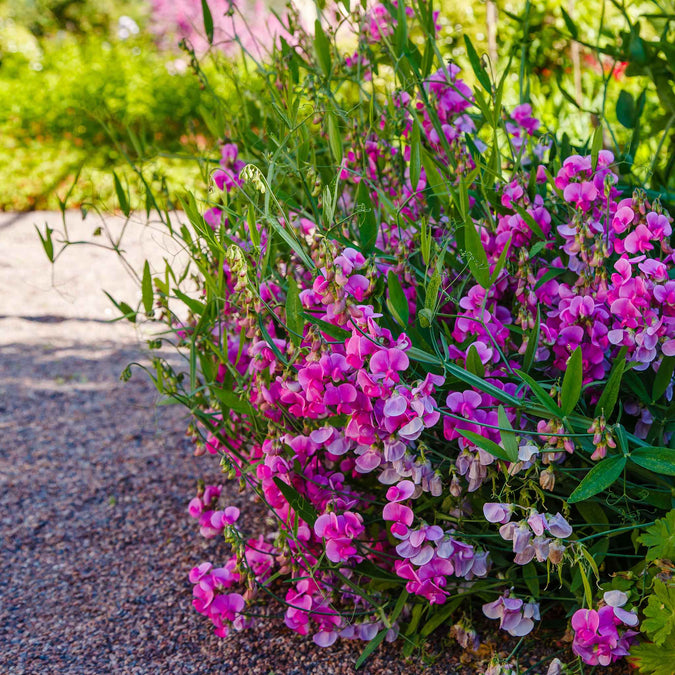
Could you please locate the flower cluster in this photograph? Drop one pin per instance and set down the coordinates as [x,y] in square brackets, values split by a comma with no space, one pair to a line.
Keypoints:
[596,633]
[418,352]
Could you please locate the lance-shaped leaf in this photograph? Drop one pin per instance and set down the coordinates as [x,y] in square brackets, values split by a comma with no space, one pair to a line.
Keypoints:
[295,320]
[322,48]
[658,460]
[610,392]
[599,478]
[489,446]
[572,382]
[397,302]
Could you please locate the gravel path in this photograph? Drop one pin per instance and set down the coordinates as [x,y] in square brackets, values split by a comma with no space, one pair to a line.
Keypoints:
[94,481]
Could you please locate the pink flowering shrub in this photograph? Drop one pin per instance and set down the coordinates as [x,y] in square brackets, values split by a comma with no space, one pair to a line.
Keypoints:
[436,349]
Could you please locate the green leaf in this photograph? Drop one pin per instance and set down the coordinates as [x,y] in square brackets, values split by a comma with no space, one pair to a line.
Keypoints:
[397,302]
[529,221]
[370,647]
[420,355]
[532,343]
[322,48]
[596,146]
[478,382]
[572,382]
[299,504]
[654,659]
[660,613]
[625,109]
[196,307]
[599,478]
[121,195]
[540,393]
[127,312]
[431,295]
[610,392]
[477,66]
[473,363]
[663,377]
[398,608]
[658,460]
[487,445]
[660,538]
[501,261]
[230,400]
[415,156]
[476,256]
[146,288]
[551,274]
[47,242]
[594,515]
[328,328]
[571,27]
[440,616]
[334,137]
[294,314]
[507,435]
[367,219]
[531,579]
[253,231]
[208,21]
[270,341]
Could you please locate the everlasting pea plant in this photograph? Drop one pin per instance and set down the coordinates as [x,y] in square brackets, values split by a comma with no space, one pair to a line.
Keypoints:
[437,350]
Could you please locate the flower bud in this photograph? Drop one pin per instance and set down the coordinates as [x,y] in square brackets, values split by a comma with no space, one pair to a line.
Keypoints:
[547,479]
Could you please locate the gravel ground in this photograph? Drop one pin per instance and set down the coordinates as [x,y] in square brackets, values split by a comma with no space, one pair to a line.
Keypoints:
[94,482]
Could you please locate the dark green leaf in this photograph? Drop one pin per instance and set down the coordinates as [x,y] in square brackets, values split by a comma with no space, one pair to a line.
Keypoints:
[299,504]
[501,261]
[540,393]
[415,156]
[47,242]
[294,315]
[658,460]
[663,377]
[370,647]
[532,343]
[531,579]
[508,436]
[625,109]
[367,219]
[572,382]
[473,363]
[610,392]
[599,478]
[480,384]
[328,328]
[487,445]
[208,21]
[440,616]
[397,302]
[476,65]
[231,401]
[322,48]
[121,195]
[596,146]
[551,274]
[571,27]
[270,341]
